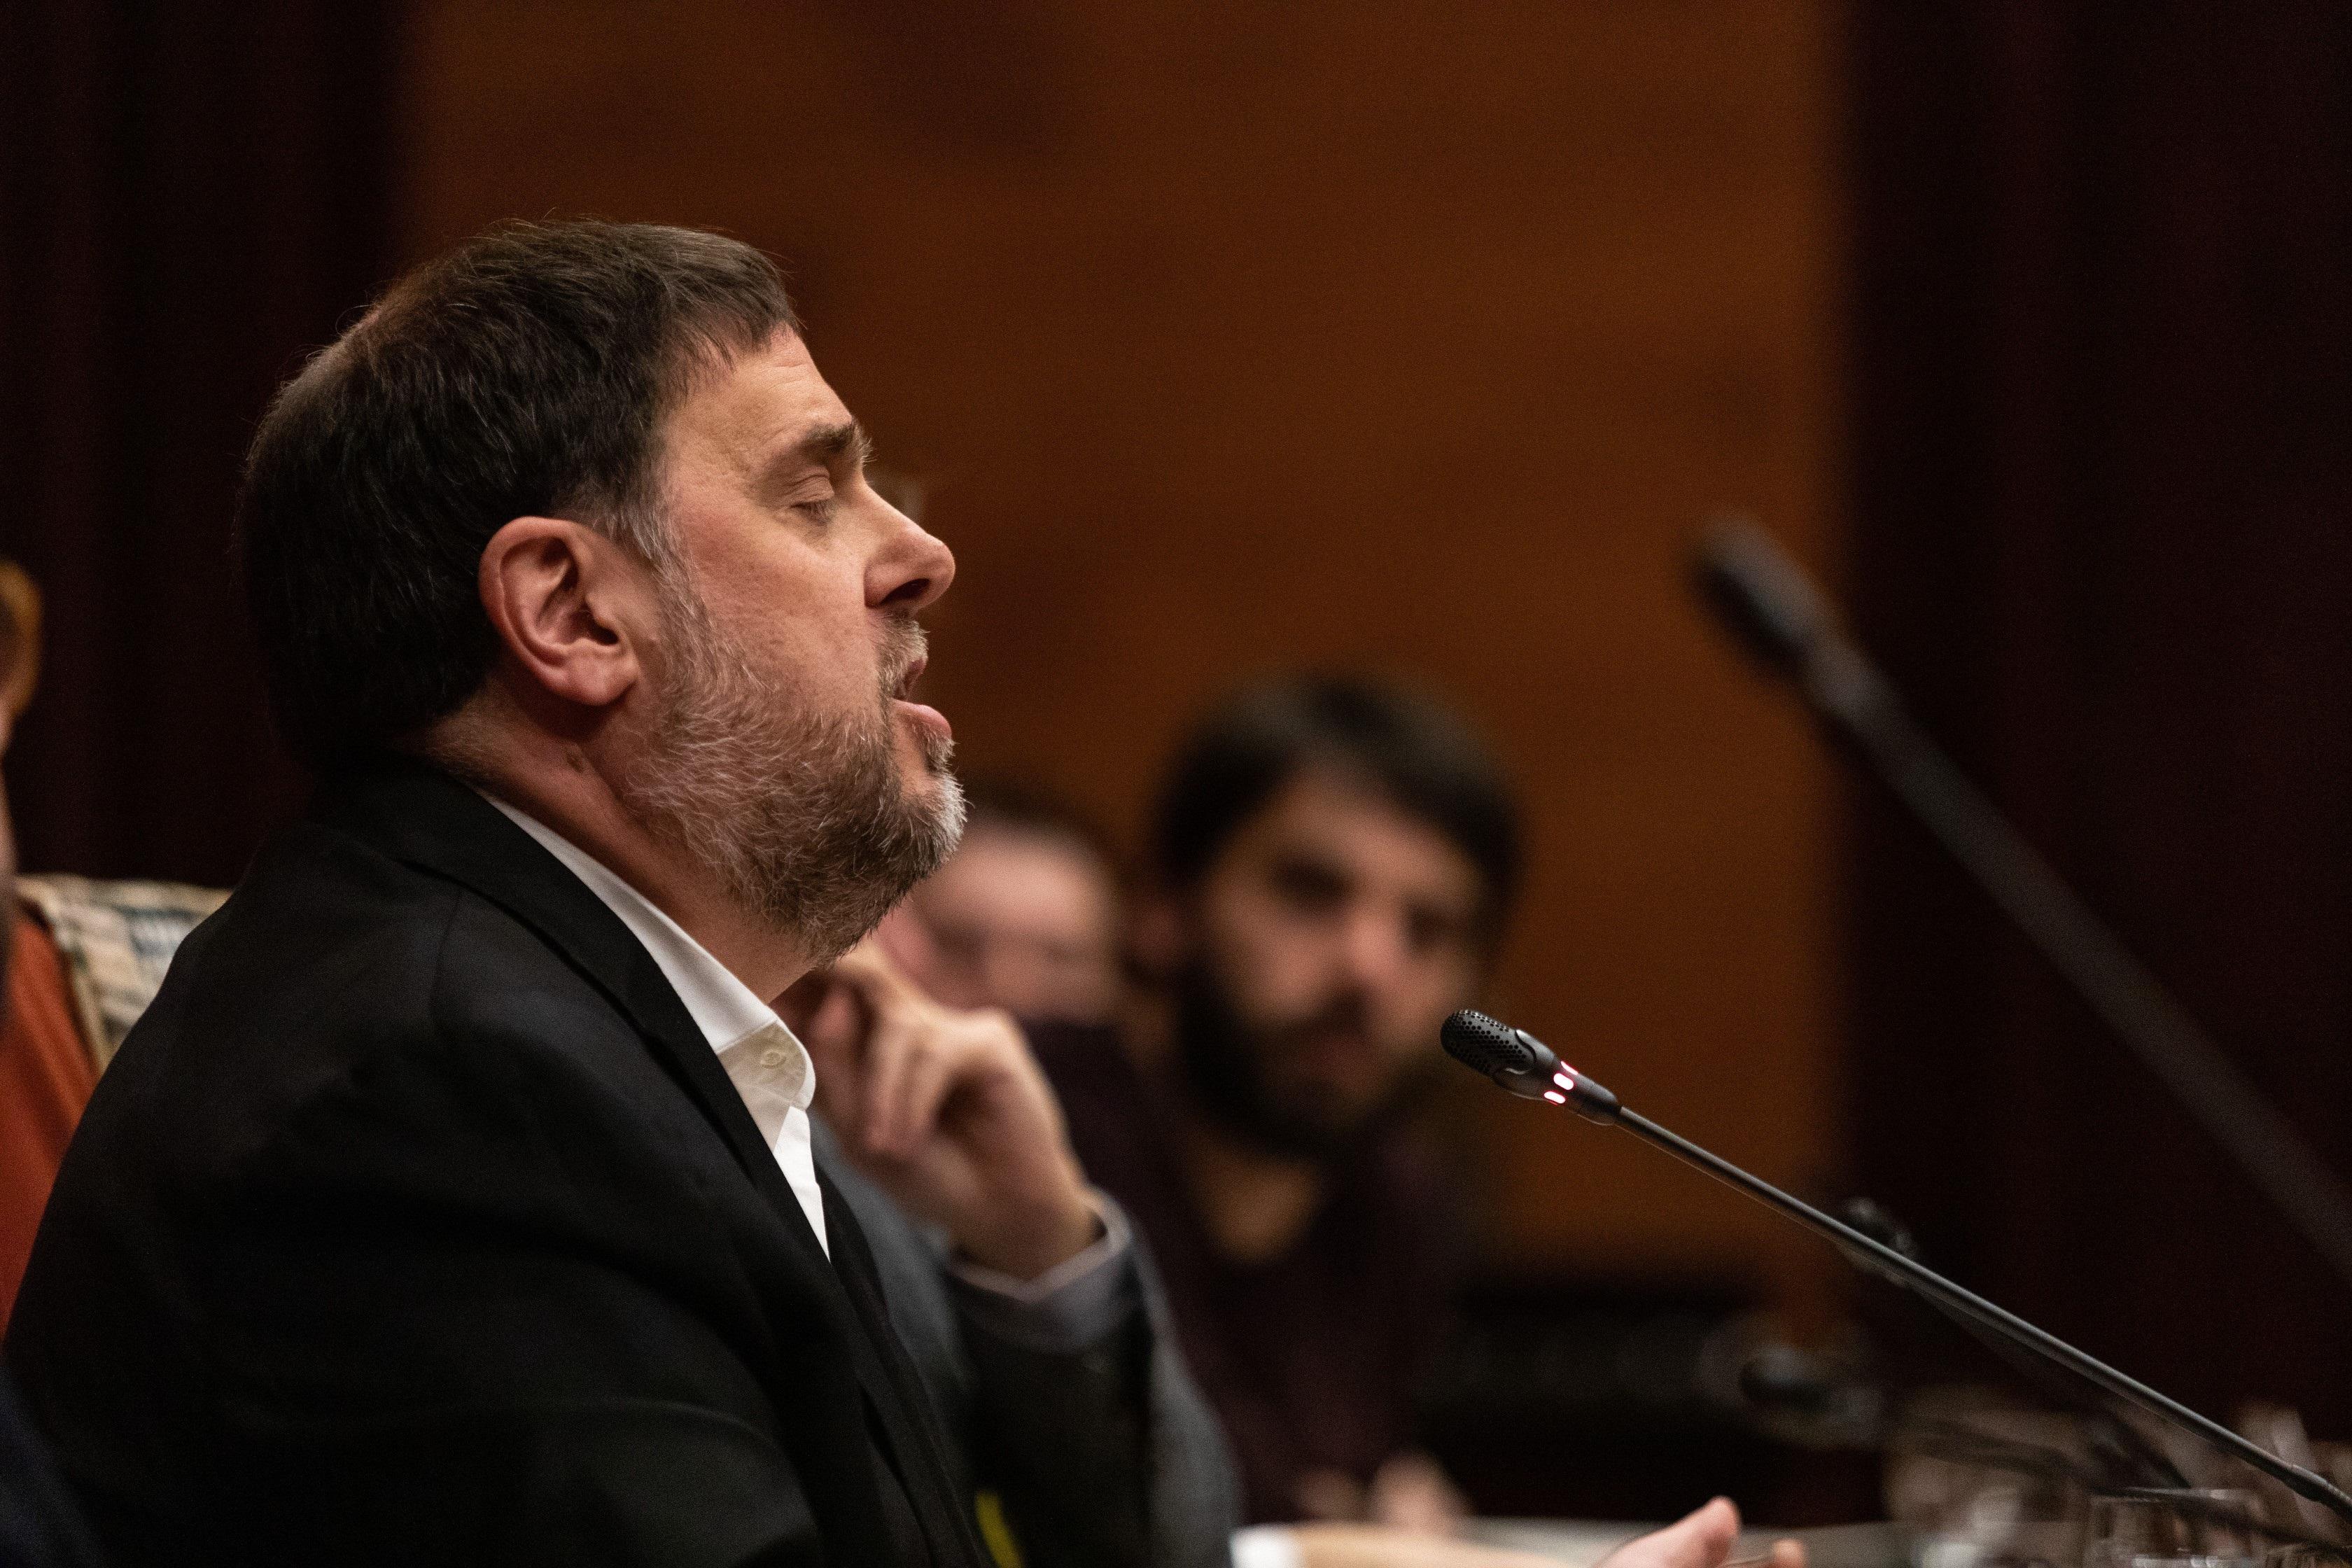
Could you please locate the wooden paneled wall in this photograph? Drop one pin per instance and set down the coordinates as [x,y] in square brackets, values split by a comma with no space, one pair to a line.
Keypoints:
[1377,332]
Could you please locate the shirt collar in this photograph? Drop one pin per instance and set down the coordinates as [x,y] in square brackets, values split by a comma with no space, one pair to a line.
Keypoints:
[724,1008]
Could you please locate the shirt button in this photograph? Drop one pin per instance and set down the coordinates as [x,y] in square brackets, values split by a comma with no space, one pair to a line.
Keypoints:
[773,1057]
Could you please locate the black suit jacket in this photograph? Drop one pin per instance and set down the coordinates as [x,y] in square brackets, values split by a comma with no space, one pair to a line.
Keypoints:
[1104,1455]
[416,1222]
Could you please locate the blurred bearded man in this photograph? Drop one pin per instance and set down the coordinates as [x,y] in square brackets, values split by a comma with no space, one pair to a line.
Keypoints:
[1334,862]
[456,1201]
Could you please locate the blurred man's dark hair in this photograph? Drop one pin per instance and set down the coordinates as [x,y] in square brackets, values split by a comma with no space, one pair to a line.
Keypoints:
[524,374]
[1404,747]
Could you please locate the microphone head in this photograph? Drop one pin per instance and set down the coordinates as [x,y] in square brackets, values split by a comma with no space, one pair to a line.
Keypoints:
[1759,593]
[1518,1062]
[1486,1045]
[1515,1059]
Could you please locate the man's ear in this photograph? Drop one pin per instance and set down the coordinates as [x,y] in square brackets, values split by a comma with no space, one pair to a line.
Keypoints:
[566,604]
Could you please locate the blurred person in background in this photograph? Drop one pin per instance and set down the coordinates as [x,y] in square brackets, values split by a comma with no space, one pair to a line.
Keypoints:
[1024,919]
[80,958]
[1024,915]
[1333,862]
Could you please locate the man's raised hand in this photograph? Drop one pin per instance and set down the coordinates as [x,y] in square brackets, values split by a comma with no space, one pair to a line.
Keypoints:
[948,1111]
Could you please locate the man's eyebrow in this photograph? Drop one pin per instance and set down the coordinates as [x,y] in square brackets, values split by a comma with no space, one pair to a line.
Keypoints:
[829,444]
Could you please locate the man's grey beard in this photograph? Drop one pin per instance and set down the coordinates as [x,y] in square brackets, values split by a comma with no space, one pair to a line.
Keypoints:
[803,817]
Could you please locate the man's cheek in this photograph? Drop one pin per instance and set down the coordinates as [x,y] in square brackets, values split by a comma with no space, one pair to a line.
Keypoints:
[1409,1024]
[1292,996]
[1250,962]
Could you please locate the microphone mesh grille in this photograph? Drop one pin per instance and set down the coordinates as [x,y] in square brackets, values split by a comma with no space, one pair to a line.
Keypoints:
[1485,1044]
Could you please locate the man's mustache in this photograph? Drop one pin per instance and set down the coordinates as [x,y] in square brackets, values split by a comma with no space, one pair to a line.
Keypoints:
[1349,1012]
[905,644]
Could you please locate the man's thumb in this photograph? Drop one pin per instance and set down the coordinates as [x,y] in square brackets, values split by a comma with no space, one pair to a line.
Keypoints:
[1701,1538]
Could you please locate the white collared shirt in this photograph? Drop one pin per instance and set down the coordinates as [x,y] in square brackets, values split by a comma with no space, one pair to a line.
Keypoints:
[769,1067]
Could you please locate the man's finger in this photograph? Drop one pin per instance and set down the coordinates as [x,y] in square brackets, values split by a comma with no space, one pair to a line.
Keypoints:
[870,972]
[831,1022]
[893,1050]
[1701,1538]
[913,1107]
[830,1032]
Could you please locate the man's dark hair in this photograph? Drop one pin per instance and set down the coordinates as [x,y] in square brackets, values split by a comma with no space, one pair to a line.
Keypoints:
[526,372]
[1403,746]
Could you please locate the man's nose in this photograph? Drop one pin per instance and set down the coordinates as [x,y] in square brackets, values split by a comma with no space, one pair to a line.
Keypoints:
[1372,947]
[910,570]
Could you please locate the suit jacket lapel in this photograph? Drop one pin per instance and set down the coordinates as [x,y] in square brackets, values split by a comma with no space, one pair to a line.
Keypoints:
[912,1420]
[428,819]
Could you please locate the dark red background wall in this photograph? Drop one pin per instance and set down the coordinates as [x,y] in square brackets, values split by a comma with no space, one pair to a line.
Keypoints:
[2102,424]
[190,197]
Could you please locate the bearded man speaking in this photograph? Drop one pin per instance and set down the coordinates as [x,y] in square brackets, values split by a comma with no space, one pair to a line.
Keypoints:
[455,1201]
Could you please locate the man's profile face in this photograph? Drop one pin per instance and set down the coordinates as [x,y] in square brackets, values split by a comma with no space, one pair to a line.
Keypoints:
[795,557]
[1328,942]
[782,745]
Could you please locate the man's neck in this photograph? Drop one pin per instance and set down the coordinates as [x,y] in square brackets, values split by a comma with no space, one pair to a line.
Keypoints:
[559,784]
[1254,1204]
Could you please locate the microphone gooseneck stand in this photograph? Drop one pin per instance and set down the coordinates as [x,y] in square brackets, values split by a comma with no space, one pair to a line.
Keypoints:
[1766,603]
[1524,1066]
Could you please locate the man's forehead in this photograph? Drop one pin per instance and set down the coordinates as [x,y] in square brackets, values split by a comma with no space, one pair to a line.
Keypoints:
[1327,813]
[763,401]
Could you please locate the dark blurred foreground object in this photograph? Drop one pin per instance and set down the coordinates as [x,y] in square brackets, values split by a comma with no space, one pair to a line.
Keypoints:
[41,1525]
[83,959]
[1765,601]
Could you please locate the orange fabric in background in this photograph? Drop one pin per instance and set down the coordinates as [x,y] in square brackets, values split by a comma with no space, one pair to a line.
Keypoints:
[46,1077]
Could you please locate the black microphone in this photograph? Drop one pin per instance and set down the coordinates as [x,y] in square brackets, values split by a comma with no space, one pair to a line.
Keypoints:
[1516,1060]
[1759,595]
[1523,1065]
[1766,603]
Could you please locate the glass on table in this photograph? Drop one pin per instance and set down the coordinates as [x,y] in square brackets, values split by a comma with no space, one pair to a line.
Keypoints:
[2301,1554]
[2166,1527]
